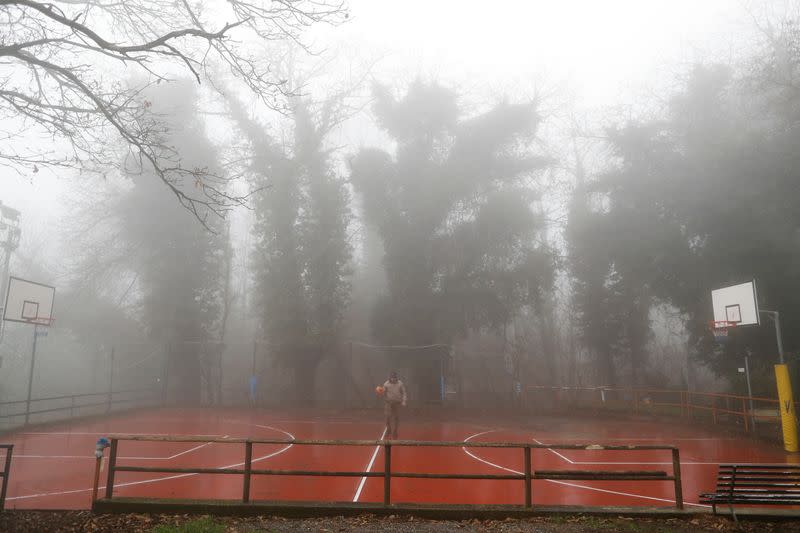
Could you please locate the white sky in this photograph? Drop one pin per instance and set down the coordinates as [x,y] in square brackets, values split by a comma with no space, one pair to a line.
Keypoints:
[599,46]
[607,52]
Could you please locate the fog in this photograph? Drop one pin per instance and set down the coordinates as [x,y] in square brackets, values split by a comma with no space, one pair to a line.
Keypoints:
[483,197]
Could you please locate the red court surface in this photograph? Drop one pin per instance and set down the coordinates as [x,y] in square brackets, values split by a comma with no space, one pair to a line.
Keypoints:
[53,465]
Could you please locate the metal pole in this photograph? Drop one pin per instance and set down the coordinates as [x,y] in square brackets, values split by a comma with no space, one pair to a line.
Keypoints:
[30,374]
[349,394]
[744,417]
[4,284]
[776,318]
[749,391]
[219,367]
[165,374]
[778,336]
[110,382]
[254,392]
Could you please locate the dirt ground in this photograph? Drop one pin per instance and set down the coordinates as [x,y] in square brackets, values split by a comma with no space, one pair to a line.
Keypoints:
[85,521]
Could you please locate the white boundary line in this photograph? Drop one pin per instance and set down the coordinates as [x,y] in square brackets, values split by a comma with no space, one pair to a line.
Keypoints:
[656,439]
[574,485]
[651,463]
[131,458]
[167,478]
[369,467]
[96,433]
[561,455]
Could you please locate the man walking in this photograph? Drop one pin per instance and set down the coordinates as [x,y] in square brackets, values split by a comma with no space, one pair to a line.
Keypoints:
[394,395]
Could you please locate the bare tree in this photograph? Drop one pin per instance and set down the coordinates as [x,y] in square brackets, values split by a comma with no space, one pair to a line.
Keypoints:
[66,66]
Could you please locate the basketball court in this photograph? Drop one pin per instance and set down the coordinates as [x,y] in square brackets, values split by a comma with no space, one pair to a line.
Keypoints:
[53,465]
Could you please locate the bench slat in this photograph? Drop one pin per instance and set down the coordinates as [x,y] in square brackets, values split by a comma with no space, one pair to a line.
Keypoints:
[760,491]
[725,499]
[749,502]
[744,467]
[776,483]
[764,473]
[755,484]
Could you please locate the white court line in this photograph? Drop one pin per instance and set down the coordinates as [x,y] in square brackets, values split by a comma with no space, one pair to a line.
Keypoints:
[683,463]
[20,456]
[316,421]
[369,467]
[96,433]
[132,458]
[657,439]
[156,480]
[567,459]
[652,463]
[574,485]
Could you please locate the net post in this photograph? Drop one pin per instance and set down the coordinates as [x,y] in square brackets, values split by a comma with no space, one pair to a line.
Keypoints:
[248,466]
[387,474]
[744,417]
[30,375]
[714,409]
[165,374]
[528,498]
[676,473]
[348,394]
[6,471]
[110,382]
[112,465]
[97,464]
[684,409]
[689,404]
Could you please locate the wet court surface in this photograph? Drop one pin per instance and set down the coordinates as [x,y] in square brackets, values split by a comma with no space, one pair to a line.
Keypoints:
[53,465]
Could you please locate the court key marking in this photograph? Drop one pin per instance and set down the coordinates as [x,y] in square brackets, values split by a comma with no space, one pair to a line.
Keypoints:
[564,483]
[167,478]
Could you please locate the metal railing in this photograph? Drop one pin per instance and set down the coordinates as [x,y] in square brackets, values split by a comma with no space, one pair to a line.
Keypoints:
[527,476]
[74,403]
[687,404]
[9,448]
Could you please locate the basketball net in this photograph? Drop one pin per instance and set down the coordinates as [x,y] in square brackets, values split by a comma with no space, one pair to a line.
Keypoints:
[721,328]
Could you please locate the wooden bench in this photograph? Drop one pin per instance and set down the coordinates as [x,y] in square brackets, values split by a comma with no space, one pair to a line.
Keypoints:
[755,484]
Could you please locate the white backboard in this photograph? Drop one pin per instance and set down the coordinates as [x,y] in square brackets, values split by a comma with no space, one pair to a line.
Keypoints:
[28,302]
[737,303]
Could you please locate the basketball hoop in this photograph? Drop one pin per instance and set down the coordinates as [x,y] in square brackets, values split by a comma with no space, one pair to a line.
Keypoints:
[721,328]
[41,321]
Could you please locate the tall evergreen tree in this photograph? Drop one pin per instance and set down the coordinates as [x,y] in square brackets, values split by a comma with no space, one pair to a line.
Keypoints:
[179,263]
[301,253]
[453,208]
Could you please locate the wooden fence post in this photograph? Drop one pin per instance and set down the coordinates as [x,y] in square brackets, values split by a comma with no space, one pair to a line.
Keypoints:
[528,495]
[97,465]
[6,472]
[676,473]
[387,474]
[112,463]
[248,466]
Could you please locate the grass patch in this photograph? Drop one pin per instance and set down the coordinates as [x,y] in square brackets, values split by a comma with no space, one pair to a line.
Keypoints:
[201,525]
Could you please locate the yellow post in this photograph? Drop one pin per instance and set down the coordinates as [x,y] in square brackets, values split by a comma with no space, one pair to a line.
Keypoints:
[788,420]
